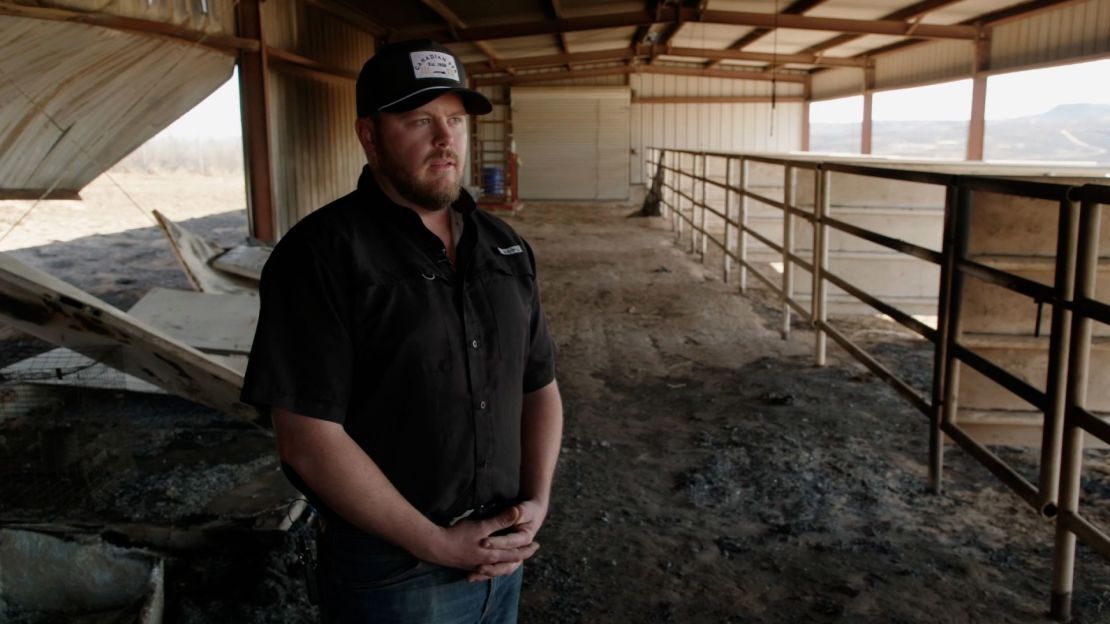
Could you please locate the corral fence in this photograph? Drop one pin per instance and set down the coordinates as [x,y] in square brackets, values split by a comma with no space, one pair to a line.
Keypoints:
[709,198]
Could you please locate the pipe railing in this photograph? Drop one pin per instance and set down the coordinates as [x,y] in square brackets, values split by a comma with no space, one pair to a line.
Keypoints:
[1071,297]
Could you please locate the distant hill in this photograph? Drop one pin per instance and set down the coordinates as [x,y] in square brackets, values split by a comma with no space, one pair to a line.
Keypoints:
[1076,132]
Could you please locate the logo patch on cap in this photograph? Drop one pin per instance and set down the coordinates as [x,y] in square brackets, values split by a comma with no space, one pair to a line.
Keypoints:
[429,64]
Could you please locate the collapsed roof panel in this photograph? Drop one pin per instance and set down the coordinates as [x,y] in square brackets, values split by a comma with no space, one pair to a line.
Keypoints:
[48,308]
[69,117]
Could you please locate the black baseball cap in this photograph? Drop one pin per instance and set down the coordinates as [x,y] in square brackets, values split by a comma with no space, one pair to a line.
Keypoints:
[406,75]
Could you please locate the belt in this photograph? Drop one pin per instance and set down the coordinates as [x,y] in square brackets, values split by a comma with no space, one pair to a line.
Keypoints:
[481,512]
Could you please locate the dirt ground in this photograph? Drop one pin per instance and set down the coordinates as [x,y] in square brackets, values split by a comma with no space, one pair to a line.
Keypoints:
[709,473]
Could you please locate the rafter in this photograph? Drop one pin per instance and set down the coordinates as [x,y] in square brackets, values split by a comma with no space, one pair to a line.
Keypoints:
[735,18]
[987,20]
[646,69]
[456,24]
[646,51]
[795,8]
[913,11]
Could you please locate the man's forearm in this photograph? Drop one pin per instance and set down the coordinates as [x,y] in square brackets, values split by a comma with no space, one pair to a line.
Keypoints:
[334,466]
[540,438]
[348,480]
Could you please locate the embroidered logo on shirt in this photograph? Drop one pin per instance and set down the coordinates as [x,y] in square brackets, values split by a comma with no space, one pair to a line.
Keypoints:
[434,65]
[510,251]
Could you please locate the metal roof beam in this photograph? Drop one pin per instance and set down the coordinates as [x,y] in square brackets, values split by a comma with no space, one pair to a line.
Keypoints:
[735,18]
[215,41]
[554,60]
[351,16]
[796,8]
[913,11]
[456,24]
[626,54]
[646,69]
[988,20]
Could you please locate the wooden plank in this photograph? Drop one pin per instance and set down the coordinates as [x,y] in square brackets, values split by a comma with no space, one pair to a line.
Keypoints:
[194,253]
[245,261]
[215,323]
[44,306]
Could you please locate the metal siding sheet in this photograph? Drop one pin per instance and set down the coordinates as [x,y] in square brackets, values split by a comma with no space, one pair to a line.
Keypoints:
[1072,31]
[69,117]
[839,82]
[316,156]
[219,18]
[573,142]
[930,62]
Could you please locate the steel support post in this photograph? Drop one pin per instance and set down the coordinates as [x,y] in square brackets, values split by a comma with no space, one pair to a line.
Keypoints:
[821,203]
[961,234]
[726,269]
[940,349]
[1067,238]
[742,237]
[1086,274]
[787,249]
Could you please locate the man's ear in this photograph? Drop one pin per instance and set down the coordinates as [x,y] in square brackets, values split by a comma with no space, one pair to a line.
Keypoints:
[364,128]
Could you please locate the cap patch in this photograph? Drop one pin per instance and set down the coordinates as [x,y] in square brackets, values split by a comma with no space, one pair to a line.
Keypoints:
[430,64]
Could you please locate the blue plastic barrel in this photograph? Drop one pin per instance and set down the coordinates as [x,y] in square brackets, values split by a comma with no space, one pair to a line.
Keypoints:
[493,180]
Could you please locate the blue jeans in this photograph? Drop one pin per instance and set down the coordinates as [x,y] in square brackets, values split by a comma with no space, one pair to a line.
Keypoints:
[364,581]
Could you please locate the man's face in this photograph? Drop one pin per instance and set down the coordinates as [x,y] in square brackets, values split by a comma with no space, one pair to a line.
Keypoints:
[421,152]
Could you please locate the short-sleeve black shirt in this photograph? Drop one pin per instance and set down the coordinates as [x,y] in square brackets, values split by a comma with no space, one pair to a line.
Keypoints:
[365,322]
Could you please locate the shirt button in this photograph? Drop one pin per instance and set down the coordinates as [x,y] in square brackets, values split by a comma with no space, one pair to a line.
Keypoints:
[482,405]
[474,343]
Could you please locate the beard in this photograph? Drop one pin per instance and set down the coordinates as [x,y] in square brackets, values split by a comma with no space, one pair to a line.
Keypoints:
[435,194]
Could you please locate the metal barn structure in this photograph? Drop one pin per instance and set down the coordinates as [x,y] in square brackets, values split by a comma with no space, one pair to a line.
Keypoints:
[697,101]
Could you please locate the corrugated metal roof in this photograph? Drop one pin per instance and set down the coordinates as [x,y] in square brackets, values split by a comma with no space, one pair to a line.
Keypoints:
[1075,31]
[212,16]
[68,117]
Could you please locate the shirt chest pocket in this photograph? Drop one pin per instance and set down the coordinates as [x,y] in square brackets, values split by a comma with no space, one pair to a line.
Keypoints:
[509,284]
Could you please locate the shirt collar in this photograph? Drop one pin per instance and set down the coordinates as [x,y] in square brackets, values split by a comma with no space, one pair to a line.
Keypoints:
[370,190]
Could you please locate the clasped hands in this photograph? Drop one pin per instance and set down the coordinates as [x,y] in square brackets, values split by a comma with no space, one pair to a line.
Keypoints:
[492,547]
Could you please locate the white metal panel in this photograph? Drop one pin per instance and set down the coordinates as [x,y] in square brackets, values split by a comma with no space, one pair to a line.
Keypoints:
[717,127]
[1078,30]
[664,85]
[930,62]
[839,82]
[213,16]
[613,117]
[572,141]
[78,98]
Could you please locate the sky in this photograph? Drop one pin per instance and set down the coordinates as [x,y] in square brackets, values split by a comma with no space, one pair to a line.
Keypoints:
[216,117]
[1017,94]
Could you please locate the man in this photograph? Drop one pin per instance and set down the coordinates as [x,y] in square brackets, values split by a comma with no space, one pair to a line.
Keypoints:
[404,356]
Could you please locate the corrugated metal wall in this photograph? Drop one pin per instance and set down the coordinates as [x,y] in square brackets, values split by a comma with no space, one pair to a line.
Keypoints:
[573,142]
[212,16]
[1077,30]
[66,118]
[834,83]
[935,61]
[315,154]
[1071,32]
[710,126]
